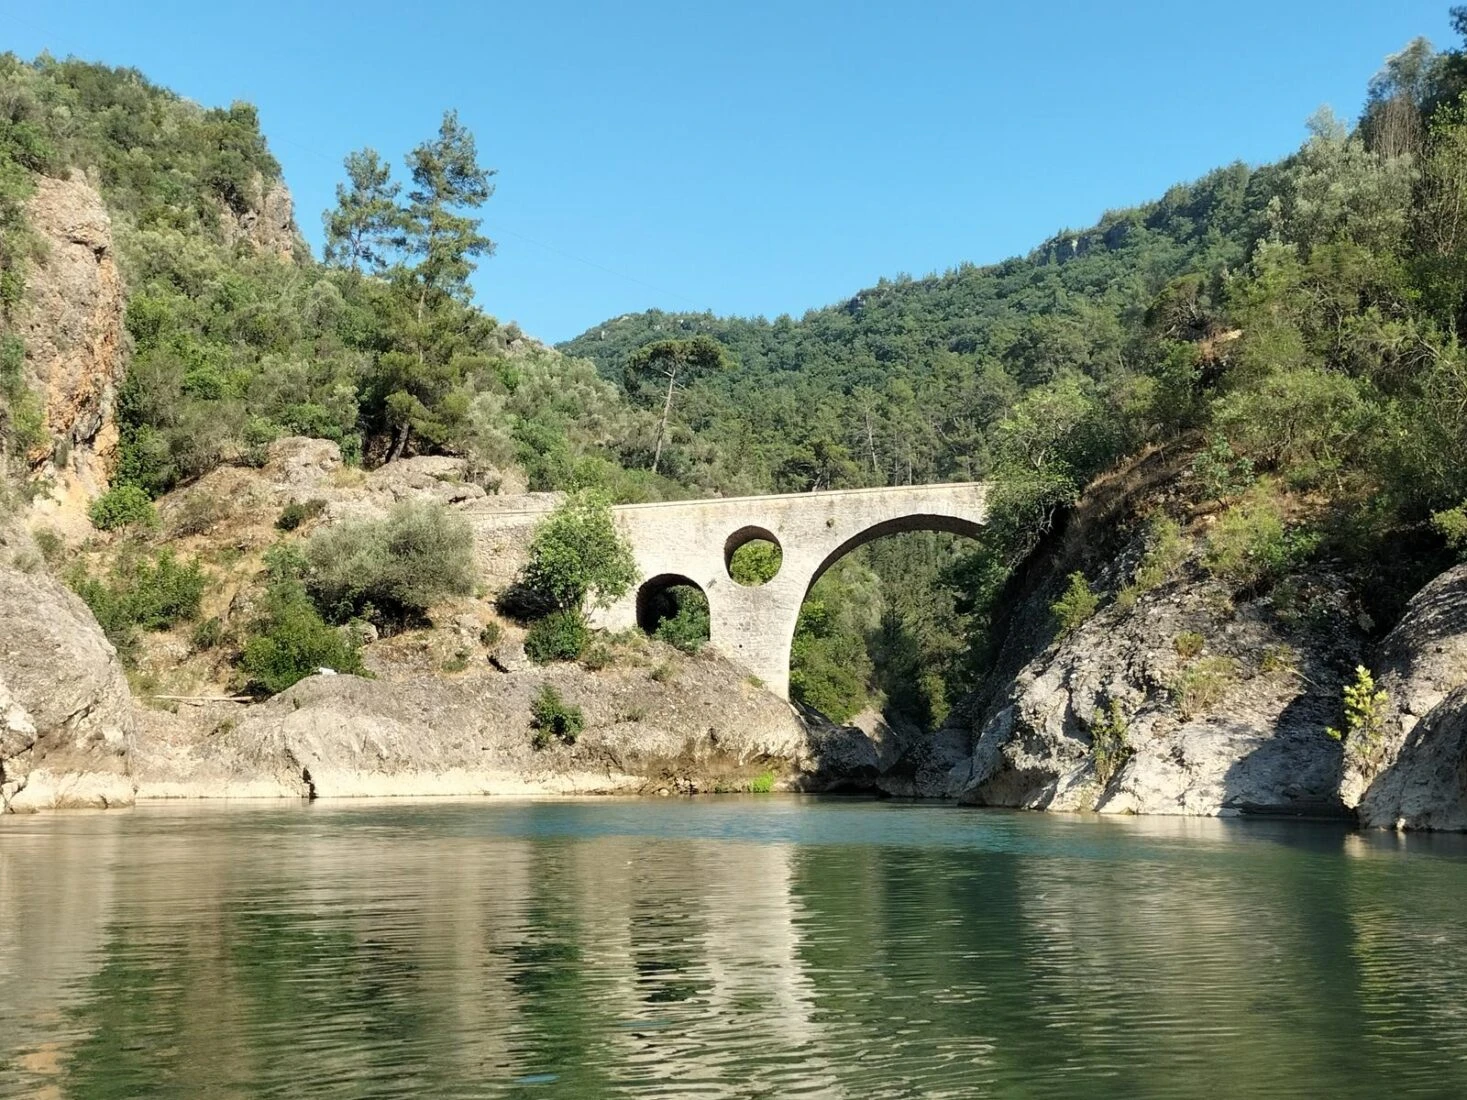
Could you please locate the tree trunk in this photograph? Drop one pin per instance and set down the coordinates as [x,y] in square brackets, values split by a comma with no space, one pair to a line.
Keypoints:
[662,427]
[400,443]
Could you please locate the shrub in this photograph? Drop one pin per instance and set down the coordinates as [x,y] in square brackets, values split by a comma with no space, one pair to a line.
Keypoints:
[1222,473]
[1365,716]
[298,512]
[1109,744]
[1250,547]
[663,673]
[49,543]
[198,512]
[490,635]
[122,507]
[208,634]
[1165,550]
[141,594]
[1451,525]
[552,717]
[762,783]
[687,628]
[577,554]
[290,641]
[1073,609]
[1188,644]
[559,636]
[1202,686]
[597,657]
[392,569]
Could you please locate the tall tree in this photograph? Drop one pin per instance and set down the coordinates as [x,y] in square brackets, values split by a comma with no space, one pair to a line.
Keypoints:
[677,361]
[447,182]
[365,229]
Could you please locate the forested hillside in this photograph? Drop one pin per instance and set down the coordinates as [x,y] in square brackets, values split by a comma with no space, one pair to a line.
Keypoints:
[1298,326]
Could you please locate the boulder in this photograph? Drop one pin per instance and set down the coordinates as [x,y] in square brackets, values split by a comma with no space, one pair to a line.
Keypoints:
[68,720]
[1425,786]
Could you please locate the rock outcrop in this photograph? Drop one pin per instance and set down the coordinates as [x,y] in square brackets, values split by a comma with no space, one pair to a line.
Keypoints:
[72,327]
[1215,708]
[267,222]
[1421,661]
[66,718]
[340,736]
[1416,777]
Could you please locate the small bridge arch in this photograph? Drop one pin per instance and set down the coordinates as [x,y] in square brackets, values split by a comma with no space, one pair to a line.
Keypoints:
[693,541]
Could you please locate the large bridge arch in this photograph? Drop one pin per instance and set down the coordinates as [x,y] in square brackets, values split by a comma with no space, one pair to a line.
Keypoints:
[692,540]
[755,626]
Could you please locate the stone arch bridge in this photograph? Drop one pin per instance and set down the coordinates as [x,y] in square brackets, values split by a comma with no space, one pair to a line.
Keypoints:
[693,542]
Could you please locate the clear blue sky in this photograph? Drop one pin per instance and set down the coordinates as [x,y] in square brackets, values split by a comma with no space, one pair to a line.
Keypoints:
[755,157]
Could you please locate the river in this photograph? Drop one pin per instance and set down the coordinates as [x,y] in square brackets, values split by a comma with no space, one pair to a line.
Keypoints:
[725,947]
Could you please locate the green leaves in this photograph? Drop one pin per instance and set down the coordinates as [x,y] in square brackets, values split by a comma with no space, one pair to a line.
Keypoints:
[578,555]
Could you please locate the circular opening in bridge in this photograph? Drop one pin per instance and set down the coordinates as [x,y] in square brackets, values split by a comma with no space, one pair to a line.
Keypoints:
[675,609]
[752,556]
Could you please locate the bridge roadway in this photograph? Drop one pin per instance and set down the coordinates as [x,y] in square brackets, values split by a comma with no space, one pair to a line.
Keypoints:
[693,542]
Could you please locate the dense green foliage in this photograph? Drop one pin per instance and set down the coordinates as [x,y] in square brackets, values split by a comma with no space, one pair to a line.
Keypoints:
[289,640]
[390,571]
[578,556]
[142,592]
[552,717]
[561,635]
[756,562]
[682,617]
[124,506]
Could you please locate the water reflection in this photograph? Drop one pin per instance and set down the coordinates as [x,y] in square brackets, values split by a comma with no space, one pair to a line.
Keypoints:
[739,947]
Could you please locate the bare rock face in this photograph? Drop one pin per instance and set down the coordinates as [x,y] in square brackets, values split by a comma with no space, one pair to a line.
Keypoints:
[344,736]
[1222,710]
[267,223]
[72,326]
[66,718]
[1417,778]
[1420,663]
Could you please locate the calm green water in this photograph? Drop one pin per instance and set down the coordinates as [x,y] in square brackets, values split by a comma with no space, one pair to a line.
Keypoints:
[749,947]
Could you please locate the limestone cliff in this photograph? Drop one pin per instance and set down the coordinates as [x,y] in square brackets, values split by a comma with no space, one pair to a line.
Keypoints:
[66,718]
[71,323]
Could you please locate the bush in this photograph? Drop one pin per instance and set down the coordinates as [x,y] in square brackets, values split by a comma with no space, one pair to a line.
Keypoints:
[1450,524]
[1250,547]
[1365,716]
[559,636]
[1202,687]
[1073,609]
[392,569]
[290,641]
[298,512]
[1165,550]
[687,627]
[208,634]
[490,635]
[141,594]
[122,507]
[1188,644]
[552,717]
[1109,744]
